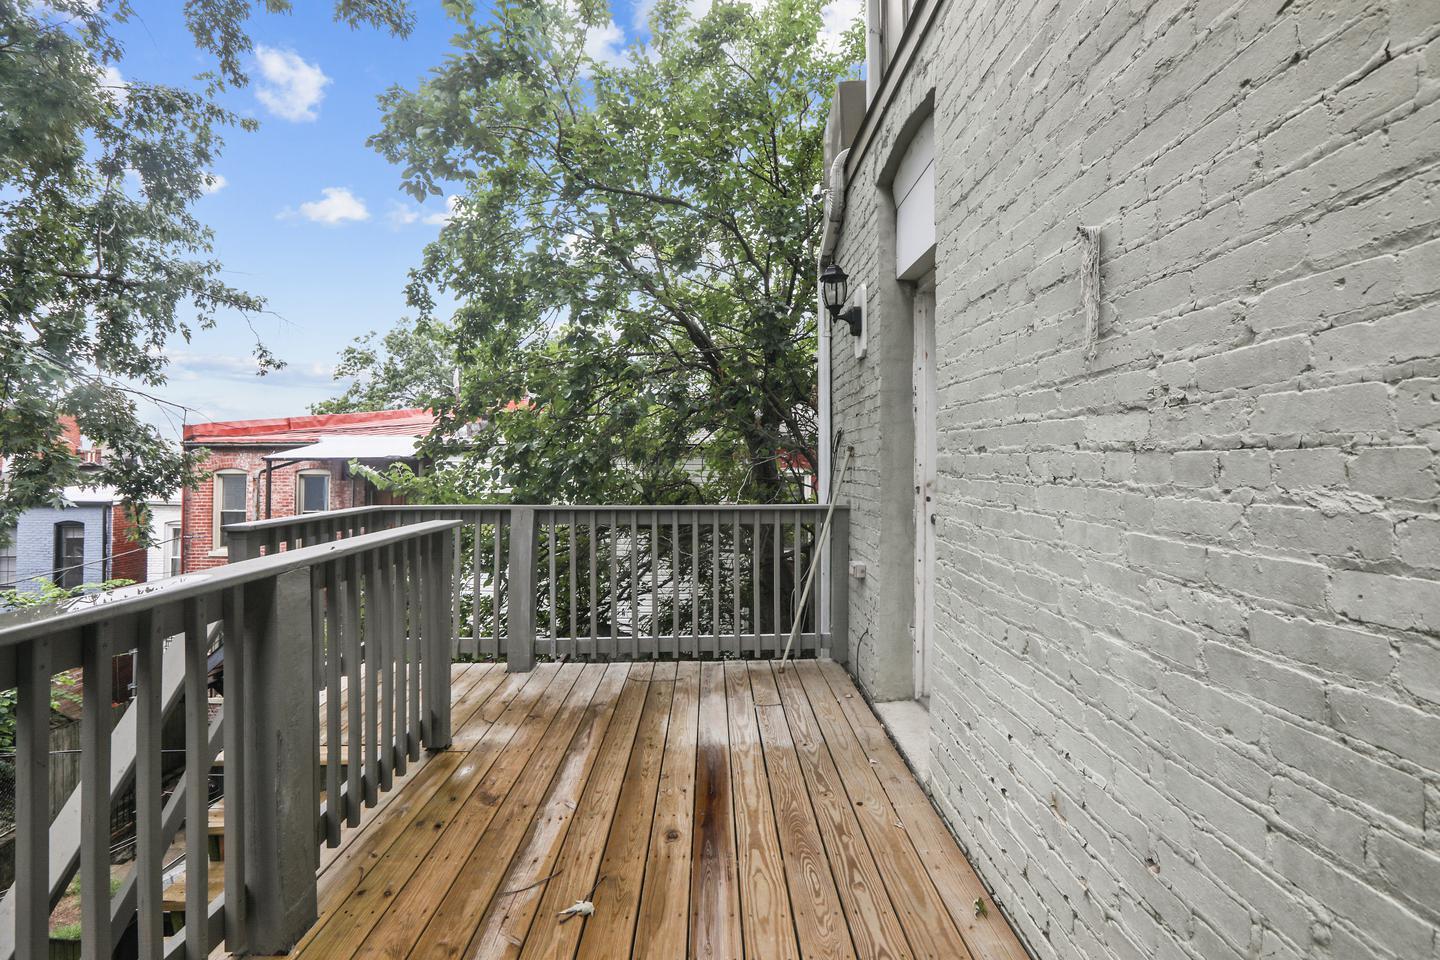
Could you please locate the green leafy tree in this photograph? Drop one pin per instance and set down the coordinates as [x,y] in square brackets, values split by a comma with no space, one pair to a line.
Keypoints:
[410,366]
[632,252]
[102,262]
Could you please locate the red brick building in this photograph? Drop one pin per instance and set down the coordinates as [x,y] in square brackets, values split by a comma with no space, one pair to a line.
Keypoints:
[286,466]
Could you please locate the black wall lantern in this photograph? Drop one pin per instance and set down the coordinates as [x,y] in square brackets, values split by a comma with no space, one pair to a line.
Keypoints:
[836,291]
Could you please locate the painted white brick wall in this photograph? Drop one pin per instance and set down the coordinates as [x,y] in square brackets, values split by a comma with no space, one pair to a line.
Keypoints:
[1187,693]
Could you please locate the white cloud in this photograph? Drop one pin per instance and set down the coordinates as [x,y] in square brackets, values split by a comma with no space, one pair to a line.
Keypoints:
[114,84]
[401,215]
[291,88]
[214,183]
[199,367]
[605,44]
[338,206]
[836,18]
[442,217]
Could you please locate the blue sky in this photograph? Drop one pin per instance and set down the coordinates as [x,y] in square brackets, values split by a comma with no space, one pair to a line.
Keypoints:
[305,214]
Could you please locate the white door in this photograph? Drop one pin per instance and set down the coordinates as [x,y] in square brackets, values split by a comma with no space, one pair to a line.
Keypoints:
[925,403]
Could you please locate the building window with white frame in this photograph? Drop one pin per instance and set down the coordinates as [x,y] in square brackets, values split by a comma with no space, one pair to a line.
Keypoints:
[312,494]
[171,549]
[7,558]
[229,503]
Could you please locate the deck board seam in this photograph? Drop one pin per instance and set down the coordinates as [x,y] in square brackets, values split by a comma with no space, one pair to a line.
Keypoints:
[502,801]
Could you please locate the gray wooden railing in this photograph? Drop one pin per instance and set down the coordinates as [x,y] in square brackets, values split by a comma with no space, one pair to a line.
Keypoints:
[618,582]
[360,622]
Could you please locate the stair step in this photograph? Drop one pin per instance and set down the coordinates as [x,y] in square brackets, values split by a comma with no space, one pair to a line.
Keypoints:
[324,760]
[216,818]
[172,900]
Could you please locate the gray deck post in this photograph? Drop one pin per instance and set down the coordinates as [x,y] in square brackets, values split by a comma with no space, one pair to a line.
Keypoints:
[440,549]
[520,638]
[839,548]
[280,787]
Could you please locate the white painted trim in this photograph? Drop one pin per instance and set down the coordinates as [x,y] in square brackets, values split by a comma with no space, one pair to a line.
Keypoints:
[925,408]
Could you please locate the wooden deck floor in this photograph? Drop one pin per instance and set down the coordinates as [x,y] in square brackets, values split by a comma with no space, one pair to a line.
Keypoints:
[707,810]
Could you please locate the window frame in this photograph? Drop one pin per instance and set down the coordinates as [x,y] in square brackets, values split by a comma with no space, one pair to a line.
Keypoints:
[171,556]
[300,478]
[62,570]
[12,554]
[217,503]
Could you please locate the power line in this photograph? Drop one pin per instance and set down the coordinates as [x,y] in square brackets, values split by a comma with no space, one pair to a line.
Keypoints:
[90,563]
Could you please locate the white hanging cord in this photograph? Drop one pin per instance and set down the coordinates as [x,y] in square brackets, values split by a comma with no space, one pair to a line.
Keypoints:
[804,594]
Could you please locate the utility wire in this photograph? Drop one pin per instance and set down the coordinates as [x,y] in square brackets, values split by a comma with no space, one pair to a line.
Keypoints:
[90,563]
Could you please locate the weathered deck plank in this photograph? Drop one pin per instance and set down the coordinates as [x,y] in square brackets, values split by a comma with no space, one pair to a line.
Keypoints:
[710,810]
[616,891]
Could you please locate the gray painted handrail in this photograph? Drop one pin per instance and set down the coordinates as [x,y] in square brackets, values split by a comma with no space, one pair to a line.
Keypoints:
[274,616]
[632,580]
[20,625]
[65,849]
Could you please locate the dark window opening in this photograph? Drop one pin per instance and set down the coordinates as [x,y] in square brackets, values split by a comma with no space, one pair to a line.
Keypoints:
[314,492]
[69,559]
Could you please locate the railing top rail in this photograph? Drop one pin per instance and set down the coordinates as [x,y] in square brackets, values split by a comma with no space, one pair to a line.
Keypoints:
[19,626]
[304,518]
[250,525]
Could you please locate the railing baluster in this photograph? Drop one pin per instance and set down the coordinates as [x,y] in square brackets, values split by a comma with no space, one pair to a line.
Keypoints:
[632,548]
[354,690]
[675,572]
[655,583]
[97,643]
[149,829]
[735,582]
[197,768]
[613,591]
[554,586]
[797,610]
[334,739]
[236,807]
[592,585]
[777,642]
[371,644]
[397,664]
[495,569]
[456,574]
[412,646]
[714,642]
[318,671]
[381,579]
[574,542]
[477,581]
[32,799]
[424,566]
[694,582]
[755,608]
